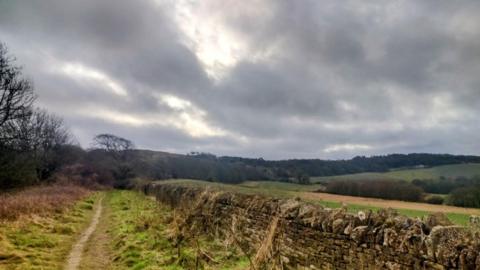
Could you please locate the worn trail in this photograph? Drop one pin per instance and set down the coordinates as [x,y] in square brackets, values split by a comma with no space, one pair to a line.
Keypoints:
[75,255]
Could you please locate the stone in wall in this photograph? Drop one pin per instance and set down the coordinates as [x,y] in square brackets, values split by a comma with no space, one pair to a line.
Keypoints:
[291,234]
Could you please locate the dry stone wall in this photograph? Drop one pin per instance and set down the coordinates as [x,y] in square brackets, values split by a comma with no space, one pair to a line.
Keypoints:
[290,234]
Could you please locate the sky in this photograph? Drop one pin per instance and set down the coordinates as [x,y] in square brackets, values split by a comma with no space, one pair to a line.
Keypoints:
[257,78]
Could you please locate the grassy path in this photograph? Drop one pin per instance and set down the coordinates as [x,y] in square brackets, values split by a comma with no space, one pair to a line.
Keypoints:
[97,252]
[44,242]
[136,232]
[112,230]
[77,250]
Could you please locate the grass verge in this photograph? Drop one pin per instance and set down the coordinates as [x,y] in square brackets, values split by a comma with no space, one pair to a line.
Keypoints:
[43,241]
[143,237]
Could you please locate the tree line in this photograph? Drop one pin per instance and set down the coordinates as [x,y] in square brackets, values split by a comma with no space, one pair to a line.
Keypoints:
[31,139]
[359,164]
[444,185]
[37,147]
[460,191]
[384,189]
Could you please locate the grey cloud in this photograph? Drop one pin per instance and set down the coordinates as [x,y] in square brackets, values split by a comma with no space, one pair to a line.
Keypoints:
[360,73]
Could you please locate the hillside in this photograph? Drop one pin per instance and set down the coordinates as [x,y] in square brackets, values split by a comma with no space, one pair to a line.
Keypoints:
[205,166]
[447,171]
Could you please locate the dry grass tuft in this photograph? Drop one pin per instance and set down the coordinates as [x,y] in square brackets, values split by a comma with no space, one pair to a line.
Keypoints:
[40,200]
[265,248]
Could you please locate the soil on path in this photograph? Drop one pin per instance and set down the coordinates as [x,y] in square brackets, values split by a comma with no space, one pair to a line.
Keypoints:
[75,255]
[97,252]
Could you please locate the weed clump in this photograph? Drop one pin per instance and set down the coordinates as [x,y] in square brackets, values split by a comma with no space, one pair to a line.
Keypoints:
[63,229]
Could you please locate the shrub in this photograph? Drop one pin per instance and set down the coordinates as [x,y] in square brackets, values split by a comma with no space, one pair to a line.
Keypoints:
[434,199]
[384,189]
[465,197]
[444,185]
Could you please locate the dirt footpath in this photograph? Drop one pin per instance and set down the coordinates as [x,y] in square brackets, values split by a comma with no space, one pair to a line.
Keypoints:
[97,252]
[75,255]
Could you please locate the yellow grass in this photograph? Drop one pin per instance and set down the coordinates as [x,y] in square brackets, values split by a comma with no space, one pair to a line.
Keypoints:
[43,241]
[39,201]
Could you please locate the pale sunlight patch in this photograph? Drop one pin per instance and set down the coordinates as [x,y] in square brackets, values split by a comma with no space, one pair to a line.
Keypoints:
[82,72]
[346,147]
[209,30]
[189,117]
[184,117]
[217,48]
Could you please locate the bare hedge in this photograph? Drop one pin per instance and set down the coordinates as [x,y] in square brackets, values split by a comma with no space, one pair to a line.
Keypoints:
[383,189]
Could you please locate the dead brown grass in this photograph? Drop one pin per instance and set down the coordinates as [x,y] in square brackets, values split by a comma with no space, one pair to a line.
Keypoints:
[39,201]
[265,249]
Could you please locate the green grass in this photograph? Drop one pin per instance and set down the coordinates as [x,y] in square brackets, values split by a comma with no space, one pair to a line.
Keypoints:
[288,190]
[466,170]
[43,242]
[142,238]
[275,189]
[459,219]
[270,188]
[448,171]
[269,185]
[356,176]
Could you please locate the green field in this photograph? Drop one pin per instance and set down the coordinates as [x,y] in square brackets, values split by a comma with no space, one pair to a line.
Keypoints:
[289,190]
[466,170]
[274,189]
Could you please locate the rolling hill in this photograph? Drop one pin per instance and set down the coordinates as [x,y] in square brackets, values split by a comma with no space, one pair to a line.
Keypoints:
[448,171]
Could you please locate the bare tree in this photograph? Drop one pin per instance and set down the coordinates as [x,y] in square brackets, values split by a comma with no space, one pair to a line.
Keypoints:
[32,141]
[47,131]
[47,135]
[16,92]
[37,131]
[112,143]
[117,148]
[36,144]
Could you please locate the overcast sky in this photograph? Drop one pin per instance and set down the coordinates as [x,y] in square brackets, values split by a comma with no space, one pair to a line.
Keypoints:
[258,78]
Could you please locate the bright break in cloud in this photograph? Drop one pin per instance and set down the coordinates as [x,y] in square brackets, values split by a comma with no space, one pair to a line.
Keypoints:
[277,79]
